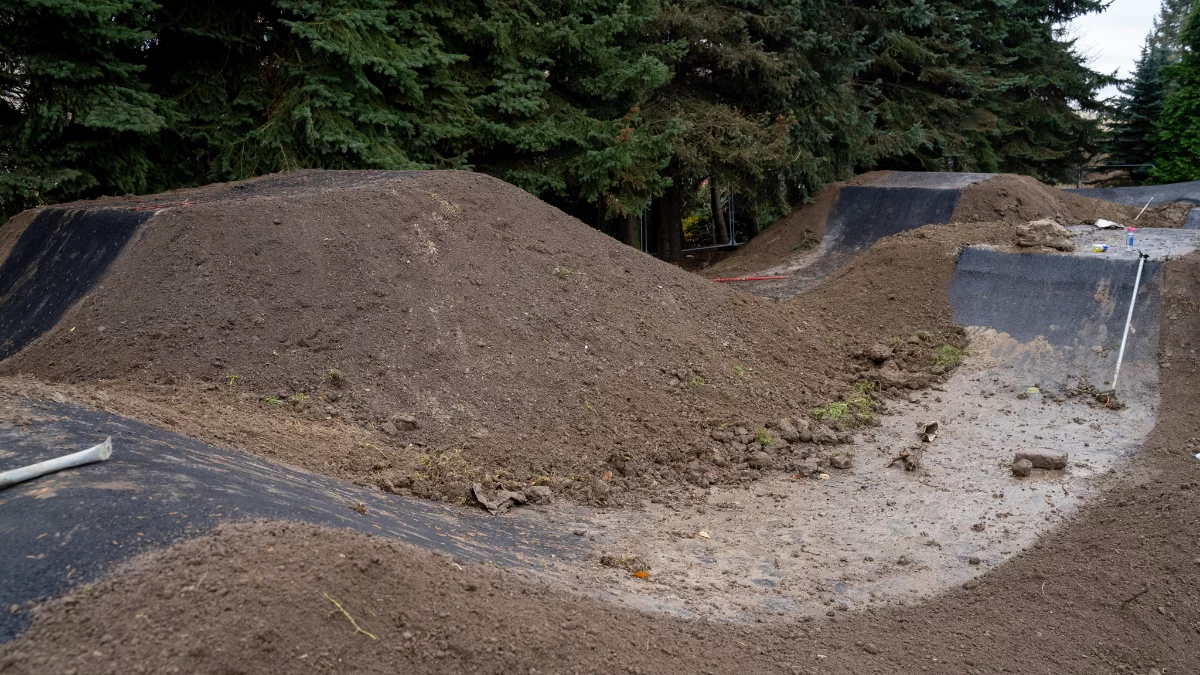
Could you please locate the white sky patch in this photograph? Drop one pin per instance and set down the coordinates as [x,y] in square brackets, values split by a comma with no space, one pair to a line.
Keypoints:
[1113,39]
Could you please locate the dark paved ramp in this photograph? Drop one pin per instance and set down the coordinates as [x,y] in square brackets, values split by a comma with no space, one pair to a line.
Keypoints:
[1065,306]
[59,257]
[72,527]
[864,214]
[1138,196]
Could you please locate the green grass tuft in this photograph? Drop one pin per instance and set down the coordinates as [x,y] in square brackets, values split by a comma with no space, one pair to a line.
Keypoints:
[946,359]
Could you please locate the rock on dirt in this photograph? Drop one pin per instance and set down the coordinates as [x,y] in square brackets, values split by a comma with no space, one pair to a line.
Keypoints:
[841,461]
[539,494]
[1045,233]
[1022,468]
[1043,459]
[879,353]
[788,431]
[760,460]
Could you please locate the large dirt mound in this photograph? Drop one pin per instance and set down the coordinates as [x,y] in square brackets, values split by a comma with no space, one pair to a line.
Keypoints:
[524,345]
[1020,199]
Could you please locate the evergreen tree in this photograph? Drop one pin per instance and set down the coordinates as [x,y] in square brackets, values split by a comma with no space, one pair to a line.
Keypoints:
[1169,24]
[1047,112]
[1136,112]
[75,117]
[1178,157]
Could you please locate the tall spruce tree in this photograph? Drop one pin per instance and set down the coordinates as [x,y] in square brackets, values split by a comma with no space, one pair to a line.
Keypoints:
[1136,112]
[76,119]
[1178,140]
[1048,111]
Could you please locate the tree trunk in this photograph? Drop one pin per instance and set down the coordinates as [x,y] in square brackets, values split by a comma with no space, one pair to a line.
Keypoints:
[720,229]
[629,232]
[670,224]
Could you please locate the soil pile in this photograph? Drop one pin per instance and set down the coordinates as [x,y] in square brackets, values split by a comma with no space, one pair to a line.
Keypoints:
[466,330]
[1021,199]
[1112,592]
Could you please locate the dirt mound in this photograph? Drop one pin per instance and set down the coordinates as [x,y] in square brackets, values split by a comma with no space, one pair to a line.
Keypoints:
[1021,199]
[467,330]
[789,236]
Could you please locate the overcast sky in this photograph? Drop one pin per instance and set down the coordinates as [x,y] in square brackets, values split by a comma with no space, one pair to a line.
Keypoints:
[1113,39]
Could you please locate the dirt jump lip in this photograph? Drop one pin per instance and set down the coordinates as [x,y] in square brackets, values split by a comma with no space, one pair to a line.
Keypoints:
[75,526]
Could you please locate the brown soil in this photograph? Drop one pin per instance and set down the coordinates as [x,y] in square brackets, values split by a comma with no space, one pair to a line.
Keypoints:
[273,319]
[789,236]
[1021,199]
[1113,592]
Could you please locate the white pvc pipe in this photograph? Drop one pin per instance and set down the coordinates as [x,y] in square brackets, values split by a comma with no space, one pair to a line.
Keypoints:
[1128,320]
[97,453]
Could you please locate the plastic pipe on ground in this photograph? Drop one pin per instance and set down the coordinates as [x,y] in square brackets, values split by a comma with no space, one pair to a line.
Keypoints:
[97,453]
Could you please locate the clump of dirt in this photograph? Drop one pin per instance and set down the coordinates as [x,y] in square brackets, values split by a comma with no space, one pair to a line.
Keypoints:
[464,330]
[1021,199]
[794,234]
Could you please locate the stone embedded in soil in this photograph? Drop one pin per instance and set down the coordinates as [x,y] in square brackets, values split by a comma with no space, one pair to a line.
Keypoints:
[1043,459]
[879,353]
[539,494]
[841,461]
[1022,468]
[760,460]
[974,560]
[1047,233]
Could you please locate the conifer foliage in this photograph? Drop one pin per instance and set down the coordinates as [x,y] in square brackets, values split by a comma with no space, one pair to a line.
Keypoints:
[599,104]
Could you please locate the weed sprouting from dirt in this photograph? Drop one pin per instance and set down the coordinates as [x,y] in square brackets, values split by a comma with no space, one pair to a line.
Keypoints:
[763,437]
[808,243]
[854,412]
[696,381]
[739,371]
[233,380]
[946,359]
[438,465]
[271,400]
[562,272]
[924,335]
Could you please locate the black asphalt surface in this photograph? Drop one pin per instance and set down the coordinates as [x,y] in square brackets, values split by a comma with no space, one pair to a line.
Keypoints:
[1072,303]
[864,214]
[74,526]
[56,261]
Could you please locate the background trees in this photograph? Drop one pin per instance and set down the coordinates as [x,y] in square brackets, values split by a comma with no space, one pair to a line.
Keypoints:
[599,107]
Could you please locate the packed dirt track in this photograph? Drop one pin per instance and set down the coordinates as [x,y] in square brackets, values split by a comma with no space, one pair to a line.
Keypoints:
[690,478]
